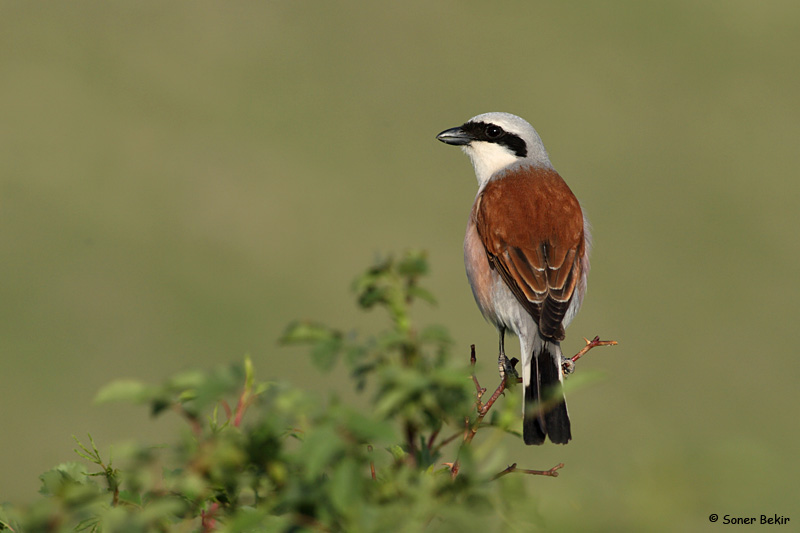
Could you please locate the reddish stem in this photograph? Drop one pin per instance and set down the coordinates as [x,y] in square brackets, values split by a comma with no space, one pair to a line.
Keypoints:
[553,472]
[207,520]
[568,363]
[371,464]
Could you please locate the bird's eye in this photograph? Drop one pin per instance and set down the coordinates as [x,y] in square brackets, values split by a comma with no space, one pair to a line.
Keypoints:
[493,132]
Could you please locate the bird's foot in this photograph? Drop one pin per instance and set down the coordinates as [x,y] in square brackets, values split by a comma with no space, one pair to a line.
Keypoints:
[507,369]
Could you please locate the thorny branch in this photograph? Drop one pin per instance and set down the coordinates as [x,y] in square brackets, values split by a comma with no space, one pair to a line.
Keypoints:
[483,410]
[553,472]
[568,365]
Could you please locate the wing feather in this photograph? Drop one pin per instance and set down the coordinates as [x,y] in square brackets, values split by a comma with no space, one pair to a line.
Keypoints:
[532,228]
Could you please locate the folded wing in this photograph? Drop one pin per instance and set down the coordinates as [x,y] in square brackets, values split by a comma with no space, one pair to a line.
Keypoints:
[532,228]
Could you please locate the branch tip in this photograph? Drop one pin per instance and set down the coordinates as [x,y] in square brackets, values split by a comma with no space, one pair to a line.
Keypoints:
[553,472]
[568,363]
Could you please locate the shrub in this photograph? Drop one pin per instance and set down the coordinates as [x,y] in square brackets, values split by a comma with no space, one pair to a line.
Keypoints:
[264,456]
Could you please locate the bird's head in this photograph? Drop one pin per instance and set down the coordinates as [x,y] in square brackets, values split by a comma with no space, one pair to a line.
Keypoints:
[495,141]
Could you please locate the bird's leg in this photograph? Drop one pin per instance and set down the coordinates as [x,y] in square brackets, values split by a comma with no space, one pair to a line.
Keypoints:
[502,360]
[503,364]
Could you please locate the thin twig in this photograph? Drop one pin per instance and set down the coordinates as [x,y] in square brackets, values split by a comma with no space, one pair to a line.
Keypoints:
[553,472]
[447,441]
[371,463]
[115,483]
[432,438]
[241,406]
[197,427]
[411,442]
[568,363]
[488,405]
[483,410]
[469,433]
[472,361]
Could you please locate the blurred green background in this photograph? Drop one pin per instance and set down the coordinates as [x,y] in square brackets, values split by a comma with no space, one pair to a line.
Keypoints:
[179,181]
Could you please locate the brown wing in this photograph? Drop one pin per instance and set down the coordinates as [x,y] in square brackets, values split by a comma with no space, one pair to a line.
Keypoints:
[532,228]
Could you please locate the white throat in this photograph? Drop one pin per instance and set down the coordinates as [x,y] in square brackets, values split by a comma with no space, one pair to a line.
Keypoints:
[488,158]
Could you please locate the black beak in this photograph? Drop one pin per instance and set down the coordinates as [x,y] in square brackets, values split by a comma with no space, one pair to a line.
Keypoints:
[455,136]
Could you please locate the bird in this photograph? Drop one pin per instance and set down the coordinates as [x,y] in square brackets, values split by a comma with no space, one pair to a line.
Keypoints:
[526,253]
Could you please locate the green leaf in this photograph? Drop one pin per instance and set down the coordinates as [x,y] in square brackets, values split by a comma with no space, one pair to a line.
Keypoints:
[354,354]
[345,485]
[204,389]
[70,483]
[398,453]
[301,332]
[413,263]
[423,294]
[249,373]
[392,339]
[163,509]
[365,429]
[325,353]
[248,520]
[8,521]
[188,380]
[131,497]
[319,449]
[125,390]
[90,524]
[373,295]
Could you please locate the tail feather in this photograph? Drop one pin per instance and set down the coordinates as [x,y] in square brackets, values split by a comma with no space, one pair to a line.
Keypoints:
[545,412]
[533,421]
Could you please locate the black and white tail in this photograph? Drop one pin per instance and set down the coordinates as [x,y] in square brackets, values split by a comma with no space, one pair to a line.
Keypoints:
[545,408]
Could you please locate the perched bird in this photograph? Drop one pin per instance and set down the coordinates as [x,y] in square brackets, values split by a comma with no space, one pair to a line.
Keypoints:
[526,254]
